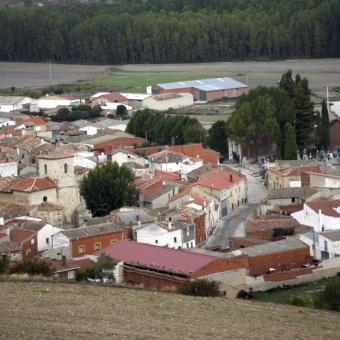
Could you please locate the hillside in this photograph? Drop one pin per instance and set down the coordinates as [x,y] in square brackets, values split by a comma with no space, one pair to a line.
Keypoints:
[61,311]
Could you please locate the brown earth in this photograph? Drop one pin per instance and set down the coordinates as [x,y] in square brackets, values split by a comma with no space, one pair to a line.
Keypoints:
[320,72]
[65,311]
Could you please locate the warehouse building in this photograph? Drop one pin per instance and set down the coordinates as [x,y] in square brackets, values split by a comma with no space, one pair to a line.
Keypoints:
[205,89]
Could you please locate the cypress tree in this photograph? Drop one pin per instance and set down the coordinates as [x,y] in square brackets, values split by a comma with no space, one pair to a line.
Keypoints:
[290,143]
[325,135]
[305,120]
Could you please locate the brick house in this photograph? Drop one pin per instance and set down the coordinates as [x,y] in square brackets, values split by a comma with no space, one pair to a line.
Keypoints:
[280,256]
[19,244]
[204,89]
[264,227]
[334,128]
[161,267]
[87,240]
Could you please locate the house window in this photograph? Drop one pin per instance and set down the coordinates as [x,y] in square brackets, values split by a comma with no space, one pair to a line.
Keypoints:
[71,275]
[293,199]
[326,245]
[175,239]
[191,244]
[45,168]
[156,241]
[187,231]
[97,246]
[47,241]
[81,249]
[45,199]
[32,241]
[65,168]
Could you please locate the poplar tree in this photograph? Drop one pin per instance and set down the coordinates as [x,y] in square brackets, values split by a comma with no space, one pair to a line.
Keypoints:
[325,134]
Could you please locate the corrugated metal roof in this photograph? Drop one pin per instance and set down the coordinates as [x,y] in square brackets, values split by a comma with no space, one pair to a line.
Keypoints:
[213,84]
[163,259]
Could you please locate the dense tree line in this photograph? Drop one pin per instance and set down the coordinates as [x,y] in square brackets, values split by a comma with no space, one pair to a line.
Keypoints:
[171,31]
[166,129]
[77,112]
[283,115]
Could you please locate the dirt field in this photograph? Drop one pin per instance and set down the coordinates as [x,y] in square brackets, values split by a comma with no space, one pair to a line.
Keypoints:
[320,72]
[57,311]
[37,74]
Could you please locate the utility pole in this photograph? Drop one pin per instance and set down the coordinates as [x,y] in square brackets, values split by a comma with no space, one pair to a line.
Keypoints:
[327,98]
[50,71]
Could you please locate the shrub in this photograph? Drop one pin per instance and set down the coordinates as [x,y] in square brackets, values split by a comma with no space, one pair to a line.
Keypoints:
[201,288]
[300,301]
[3,265]
[31,267]
[331,296]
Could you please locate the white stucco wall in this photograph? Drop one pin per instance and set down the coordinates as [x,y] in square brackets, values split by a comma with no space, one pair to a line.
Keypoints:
[44,234]
[59,240]
[8,169]
[121,158]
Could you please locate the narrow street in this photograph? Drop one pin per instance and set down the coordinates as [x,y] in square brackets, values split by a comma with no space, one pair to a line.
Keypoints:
[233,224]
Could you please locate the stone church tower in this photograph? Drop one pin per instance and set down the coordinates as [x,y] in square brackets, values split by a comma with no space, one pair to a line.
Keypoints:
[59,165]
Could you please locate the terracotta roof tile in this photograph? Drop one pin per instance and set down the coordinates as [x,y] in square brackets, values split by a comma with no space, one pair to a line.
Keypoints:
[19,236]
[32,120]
[32,184]
[220,179]
[327,207]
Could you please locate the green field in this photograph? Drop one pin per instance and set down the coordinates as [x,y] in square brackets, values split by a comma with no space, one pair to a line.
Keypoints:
[138,81]
[284,295]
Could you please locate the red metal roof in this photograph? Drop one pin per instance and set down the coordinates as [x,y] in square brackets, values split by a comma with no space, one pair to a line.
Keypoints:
[31,184]
[220,179]
[149,256]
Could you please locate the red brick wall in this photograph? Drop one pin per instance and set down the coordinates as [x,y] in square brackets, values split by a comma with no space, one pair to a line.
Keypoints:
[200,229]
[305,179]
[150,279]
[261,234]
[285,260]
[282,276]
[89,242]
[218,266]
[28,249]
[119,142]
[335,133]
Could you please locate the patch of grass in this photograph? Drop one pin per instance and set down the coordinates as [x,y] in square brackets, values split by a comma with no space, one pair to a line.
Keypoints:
[337,89]
[138,81]
[285,296]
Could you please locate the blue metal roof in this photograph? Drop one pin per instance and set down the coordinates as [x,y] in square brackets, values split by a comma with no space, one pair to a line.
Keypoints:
[213,84]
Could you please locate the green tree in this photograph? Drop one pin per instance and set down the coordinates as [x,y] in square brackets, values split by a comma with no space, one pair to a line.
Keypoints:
[305,118]
[290,143]
[108,187]
[325,134]
[254,124]
[121,111]
[218,137]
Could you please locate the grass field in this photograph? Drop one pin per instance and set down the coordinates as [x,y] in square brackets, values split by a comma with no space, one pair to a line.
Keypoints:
[283,296]
[66,311]
[138,81]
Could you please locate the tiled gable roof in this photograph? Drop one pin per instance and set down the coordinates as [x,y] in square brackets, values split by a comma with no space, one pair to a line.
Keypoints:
[32,184]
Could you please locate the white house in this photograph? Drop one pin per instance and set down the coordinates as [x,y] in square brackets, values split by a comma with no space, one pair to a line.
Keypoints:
[45,239]
[13,103]
[168,234]
[122,156]
[136,100]
[6,122]
[329,244]
[320,215]
[8,168]
[85,160]
[92,128]
[52,102]
[170,161]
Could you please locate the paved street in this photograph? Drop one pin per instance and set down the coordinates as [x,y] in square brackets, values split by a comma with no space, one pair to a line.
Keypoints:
[233,224]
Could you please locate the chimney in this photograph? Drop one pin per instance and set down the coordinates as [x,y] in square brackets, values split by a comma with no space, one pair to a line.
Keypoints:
[63,260]
[138,220]
[231,177]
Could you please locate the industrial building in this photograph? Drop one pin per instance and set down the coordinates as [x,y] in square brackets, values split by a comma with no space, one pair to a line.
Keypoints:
[205,89]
